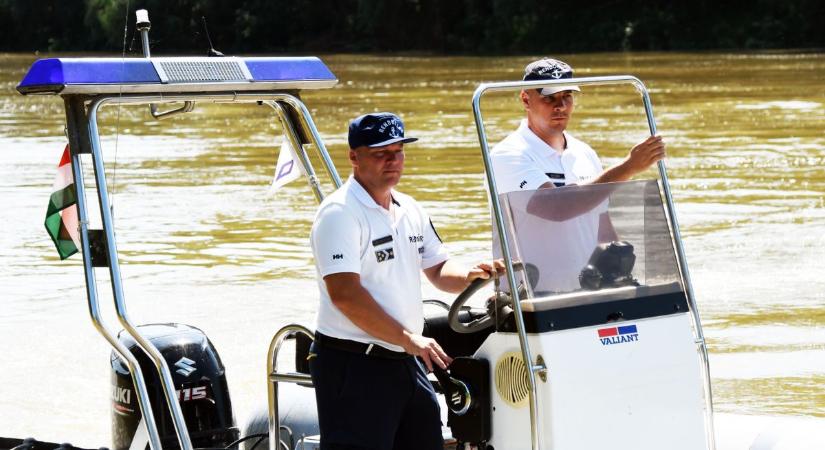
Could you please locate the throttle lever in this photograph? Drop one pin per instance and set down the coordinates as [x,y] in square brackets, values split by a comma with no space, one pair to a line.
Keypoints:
[456,392]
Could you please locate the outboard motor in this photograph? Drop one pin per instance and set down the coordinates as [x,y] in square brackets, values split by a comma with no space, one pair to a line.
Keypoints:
[200,382]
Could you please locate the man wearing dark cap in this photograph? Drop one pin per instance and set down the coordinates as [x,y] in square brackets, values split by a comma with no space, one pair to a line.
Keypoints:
[542,154]
[370,244]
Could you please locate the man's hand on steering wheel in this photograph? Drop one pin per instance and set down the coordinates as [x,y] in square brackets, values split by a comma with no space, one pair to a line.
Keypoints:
[485,270]
[477,283]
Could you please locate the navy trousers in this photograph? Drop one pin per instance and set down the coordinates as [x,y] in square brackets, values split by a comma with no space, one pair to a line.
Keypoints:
[370,403]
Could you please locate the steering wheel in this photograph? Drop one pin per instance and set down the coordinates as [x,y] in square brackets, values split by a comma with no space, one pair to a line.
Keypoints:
[486,320]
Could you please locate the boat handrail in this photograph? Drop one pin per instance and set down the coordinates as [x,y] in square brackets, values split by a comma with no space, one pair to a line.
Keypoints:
[274,377]
[88,141]
[73,118]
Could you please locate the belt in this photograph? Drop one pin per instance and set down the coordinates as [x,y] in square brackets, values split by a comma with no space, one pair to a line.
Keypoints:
[358,347]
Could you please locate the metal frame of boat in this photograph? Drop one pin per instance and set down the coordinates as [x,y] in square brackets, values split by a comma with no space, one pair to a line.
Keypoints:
[87,85]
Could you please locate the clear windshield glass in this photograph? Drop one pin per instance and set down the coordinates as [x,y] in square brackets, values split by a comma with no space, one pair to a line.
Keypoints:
[591,238]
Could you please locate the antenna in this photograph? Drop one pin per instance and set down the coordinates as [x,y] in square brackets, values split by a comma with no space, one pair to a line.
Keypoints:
[212,51]
[143,25]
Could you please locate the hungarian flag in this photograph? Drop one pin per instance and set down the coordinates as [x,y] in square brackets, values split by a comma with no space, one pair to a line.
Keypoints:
[61,215]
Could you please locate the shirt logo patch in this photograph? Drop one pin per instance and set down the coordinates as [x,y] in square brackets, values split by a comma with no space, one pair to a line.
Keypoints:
[337,256]
[521,185]
[384,255]
[414,239]
[420,250]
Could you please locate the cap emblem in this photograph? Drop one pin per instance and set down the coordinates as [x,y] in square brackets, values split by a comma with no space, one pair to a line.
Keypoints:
[377,129]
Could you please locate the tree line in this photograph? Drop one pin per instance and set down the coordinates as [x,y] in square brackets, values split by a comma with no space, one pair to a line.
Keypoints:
[431,26]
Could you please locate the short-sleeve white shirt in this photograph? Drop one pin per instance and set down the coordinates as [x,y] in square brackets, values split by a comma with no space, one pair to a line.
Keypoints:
[522,161]
[388,249]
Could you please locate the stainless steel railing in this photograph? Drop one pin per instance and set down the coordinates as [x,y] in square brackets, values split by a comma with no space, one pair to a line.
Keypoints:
[274,377]
[276,101]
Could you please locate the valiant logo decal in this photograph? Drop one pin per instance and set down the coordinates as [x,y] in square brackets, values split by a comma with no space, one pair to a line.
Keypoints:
[618,335]
[185,366]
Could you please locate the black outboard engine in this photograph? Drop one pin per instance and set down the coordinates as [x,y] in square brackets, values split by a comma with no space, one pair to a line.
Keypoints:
[200,381]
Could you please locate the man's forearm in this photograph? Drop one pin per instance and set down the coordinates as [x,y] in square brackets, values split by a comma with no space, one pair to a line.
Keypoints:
[453,277]
[448,276]
[358,305]
[619,172]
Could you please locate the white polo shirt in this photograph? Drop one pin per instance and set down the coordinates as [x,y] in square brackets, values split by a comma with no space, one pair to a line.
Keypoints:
[522,161]
[560,249]
[352,233]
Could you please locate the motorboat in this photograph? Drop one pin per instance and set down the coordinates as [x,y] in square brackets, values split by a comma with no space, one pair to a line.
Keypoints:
[587,342]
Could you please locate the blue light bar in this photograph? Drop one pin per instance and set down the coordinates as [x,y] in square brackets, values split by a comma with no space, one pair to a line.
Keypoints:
[67,76]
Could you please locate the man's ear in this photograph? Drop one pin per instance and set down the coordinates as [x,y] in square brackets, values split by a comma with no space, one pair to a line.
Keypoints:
[353,158]
[525,99]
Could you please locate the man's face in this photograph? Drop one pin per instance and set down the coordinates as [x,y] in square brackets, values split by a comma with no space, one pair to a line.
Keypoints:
[550,111]
[378,167]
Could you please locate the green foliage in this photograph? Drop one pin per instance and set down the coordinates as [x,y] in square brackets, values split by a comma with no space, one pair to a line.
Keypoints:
[457,26]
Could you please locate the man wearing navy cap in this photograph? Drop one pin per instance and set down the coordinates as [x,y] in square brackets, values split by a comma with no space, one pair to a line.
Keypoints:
[370,244]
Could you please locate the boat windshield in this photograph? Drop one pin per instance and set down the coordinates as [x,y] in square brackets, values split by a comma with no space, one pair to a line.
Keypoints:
[592,240]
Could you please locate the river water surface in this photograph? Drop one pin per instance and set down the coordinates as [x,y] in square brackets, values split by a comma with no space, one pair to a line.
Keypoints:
[203,241]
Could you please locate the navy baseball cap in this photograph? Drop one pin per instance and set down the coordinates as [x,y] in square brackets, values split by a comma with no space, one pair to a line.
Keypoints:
[377,130]
[550,69]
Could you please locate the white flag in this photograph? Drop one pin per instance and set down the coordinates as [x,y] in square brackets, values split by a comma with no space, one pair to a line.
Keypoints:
[288,167]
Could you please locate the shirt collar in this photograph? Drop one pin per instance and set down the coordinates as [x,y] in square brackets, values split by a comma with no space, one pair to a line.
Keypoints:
[534,140]
[366,199]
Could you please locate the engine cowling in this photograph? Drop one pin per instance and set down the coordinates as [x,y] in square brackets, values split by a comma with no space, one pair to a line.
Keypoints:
[200,382]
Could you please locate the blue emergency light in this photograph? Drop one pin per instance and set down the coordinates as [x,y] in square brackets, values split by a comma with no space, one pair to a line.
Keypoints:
[67,76]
